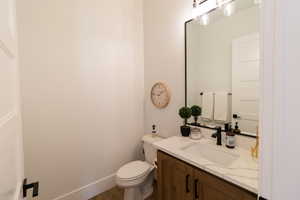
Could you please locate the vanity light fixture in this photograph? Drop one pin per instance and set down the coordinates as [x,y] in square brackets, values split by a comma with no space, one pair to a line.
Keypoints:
[201,7]
[257,2]
[220,3]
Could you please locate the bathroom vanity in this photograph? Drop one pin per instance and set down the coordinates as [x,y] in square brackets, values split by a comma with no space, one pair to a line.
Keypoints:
[189,170]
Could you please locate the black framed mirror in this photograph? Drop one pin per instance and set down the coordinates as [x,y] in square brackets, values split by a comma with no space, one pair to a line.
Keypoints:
[222,60]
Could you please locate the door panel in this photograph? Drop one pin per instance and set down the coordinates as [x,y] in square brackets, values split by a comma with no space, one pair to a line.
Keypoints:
[165,177]
[7,84]
[7,28]
[174,179]
[182,181]
[10,162]
[11,149]
[213,188]
[212,194]
[245,81]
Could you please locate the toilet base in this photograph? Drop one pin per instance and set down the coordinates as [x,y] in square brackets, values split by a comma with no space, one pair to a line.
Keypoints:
[147,188]
[140,192]
[133,193]
[148,193]
[136,193]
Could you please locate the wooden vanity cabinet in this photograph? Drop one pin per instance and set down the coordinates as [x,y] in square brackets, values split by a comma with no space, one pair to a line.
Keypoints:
[180,181]
[175,179]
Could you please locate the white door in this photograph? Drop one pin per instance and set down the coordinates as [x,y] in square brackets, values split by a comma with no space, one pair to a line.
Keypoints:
[245,81]
[11,148]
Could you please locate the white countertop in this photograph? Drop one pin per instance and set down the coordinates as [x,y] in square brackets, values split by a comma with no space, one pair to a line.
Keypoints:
[242,172]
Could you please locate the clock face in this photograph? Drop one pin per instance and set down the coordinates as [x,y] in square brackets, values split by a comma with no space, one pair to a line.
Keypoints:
[160,95]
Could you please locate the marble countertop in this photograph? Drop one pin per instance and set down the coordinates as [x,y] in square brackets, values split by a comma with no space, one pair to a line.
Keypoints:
[242,172]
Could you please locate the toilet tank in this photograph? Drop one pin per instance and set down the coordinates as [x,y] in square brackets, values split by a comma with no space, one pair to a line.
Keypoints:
[149,150]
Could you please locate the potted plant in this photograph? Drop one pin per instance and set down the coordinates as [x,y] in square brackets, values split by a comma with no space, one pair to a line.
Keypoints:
[185,113]
[196,112]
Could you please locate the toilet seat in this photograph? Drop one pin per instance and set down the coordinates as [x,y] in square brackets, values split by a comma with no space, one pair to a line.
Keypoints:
[134,170]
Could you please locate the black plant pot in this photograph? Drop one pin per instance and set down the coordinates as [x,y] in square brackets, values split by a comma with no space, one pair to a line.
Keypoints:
[185,131]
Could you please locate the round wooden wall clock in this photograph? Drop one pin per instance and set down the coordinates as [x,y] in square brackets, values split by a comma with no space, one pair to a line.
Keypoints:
[160,95]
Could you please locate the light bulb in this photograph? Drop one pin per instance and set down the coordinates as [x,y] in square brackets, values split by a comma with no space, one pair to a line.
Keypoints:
[204,20]
[229,9]
[257,1]
[194,13]
[220,3]
[204,7]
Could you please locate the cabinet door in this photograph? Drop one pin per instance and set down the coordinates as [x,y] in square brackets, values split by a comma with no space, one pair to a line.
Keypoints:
[174,179]
[208,187]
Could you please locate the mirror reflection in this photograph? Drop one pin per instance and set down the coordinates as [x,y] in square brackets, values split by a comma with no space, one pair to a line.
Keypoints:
[223,65]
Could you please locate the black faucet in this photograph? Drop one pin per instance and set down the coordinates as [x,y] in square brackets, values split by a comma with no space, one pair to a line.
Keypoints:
[218,135]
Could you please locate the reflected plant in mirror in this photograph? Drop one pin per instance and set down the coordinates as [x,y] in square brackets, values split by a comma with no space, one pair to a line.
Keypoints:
[222,65]
[196,112]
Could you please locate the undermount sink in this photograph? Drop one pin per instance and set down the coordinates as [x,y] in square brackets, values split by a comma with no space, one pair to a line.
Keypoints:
[211,153]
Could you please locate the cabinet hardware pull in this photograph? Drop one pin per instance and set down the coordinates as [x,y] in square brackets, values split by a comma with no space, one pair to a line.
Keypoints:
[196,189]
[187,183]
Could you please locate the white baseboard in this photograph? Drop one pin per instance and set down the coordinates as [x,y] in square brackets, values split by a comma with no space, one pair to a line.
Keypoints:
[90,190]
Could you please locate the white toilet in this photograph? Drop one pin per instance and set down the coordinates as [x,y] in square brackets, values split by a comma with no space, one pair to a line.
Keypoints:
[137,177]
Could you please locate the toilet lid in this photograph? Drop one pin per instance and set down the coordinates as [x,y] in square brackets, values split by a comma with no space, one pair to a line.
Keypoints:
[133,170]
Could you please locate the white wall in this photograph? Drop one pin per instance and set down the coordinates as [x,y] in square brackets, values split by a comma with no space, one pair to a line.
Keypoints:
[11,140]
[83,89]
[285,162]
[164,59]
[279,146]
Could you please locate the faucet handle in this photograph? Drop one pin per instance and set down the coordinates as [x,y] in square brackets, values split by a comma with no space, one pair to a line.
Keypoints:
[219,136]
[214,135]
[219,131]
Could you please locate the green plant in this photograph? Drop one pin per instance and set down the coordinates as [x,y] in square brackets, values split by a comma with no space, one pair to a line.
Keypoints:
[196,110]
[185,113]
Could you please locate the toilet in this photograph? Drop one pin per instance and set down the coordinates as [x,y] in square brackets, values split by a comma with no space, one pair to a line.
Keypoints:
[137,177]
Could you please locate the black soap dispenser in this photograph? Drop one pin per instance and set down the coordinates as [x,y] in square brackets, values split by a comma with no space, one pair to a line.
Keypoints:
[230,137]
